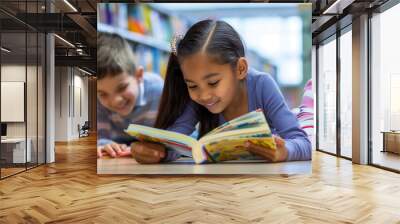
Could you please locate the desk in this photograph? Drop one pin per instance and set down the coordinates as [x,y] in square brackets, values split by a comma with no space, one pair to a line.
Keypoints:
[391,141]
[17,150]
[185,166]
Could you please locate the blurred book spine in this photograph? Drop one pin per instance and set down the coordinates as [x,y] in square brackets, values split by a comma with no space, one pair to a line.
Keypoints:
[154,27]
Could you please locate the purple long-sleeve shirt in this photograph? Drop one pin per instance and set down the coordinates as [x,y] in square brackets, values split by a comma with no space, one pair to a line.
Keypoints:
[262,93]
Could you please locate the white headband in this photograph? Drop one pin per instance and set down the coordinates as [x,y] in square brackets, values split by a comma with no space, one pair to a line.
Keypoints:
[174,43]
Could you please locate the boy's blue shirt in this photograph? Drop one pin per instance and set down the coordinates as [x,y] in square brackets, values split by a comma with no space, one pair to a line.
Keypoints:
[111,126]
[264,93]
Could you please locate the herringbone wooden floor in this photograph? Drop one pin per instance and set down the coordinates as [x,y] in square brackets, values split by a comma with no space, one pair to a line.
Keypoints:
[70,191]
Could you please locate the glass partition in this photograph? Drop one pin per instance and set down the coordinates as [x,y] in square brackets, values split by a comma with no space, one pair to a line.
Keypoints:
[22,77]
[385,89]
[14,54]
[346,94]
[327,96]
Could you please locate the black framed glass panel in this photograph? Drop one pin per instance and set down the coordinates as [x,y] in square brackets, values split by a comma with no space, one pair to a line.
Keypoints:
[385,89]
[327,96]
[22,63]
[14,54]
[346,93]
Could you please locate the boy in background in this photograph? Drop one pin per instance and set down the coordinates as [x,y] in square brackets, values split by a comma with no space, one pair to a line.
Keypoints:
[125,95]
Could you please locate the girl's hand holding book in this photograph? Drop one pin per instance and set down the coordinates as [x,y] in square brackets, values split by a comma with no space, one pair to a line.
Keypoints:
[113,150]
[148,153]
[278,155]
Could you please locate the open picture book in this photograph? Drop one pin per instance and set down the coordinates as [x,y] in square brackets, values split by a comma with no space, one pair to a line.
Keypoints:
[226,142]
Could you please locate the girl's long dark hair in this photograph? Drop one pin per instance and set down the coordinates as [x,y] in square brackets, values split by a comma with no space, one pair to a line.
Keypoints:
[223,44]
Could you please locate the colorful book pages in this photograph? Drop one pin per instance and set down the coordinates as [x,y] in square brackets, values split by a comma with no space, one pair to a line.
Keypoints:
[227,143]
[172,140]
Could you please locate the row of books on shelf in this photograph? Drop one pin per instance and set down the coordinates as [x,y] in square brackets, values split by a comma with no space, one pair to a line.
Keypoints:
[150,31]
[142,19]
[152,59]
[261,63]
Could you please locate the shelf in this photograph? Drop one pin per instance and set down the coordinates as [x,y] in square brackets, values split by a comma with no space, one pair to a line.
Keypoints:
[139,38]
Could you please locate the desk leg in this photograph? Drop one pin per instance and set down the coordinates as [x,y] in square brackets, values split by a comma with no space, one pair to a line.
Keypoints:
[384,142]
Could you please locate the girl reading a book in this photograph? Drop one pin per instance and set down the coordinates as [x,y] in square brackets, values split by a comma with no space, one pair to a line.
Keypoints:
[208,82]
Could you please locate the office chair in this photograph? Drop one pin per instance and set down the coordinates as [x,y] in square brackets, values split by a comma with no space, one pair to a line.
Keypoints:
[84,130]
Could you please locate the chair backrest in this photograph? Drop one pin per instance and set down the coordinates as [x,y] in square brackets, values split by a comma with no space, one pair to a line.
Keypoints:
[86,125]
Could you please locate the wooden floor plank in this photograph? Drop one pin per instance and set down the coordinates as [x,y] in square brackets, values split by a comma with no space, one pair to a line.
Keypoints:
[70,191]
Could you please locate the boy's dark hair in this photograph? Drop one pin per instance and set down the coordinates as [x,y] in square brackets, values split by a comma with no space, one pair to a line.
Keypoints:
[114,56]
[221,42]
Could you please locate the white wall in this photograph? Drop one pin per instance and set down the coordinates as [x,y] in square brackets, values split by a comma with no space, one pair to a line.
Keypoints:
[61,104]
[12,73]
[80,115]
[71,93]
[34,124]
